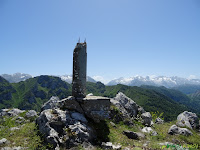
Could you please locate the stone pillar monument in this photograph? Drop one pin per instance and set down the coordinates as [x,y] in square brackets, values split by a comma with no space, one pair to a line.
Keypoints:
[79,70]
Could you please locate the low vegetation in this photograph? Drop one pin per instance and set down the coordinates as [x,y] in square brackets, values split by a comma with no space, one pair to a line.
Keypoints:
[23,135]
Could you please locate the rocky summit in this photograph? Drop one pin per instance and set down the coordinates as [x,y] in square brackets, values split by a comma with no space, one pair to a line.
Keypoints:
[73,121]
[95,122]
[66,122]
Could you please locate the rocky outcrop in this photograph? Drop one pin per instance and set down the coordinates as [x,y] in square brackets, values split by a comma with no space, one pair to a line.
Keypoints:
[177,130]
[64,128]
[128,110]
[188,119]
[64,123]
[126,105]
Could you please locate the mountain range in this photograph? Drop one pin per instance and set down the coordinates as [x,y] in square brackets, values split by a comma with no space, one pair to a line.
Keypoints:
[168,82]
[187,86]
[33,92]
[17,77]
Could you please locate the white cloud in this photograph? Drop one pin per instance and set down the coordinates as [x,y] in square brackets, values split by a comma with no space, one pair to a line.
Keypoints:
[192,77]
[101,79]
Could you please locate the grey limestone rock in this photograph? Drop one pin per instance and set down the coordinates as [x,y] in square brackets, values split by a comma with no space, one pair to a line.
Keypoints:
[3,141]
[159,121]
[10,112]
[188,119]
[173,130]
[14,128]
[147,119]
[128,104]
[141,110]
[48,122]
[110,145]
[71,104]
[64,128]
[149,130]
[177,130]
[79,117]
[52,103]
[31,114]
[19,119]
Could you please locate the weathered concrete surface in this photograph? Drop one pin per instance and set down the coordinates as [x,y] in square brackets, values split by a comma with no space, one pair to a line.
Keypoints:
[96,107]
[79,70]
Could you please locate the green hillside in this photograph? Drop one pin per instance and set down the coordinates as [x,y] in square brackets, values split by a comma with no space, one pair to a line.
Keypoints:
[6,91]
[187,88]
[195,100]
[32,93]
[149,99]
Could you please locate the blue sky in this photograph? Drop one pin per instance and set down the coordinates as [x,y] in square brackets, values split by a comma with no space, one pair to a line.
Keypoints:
[125,37]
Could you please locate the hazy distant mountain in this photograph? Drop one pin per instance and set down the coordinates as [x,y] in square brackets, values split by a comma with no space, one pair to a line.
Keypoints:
[168,82]
[68,79]
[188,88]
[17,77]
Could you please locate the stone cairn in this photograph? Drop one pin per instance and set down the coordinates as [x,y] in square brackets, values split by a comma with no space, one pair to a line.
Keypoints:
[64,123]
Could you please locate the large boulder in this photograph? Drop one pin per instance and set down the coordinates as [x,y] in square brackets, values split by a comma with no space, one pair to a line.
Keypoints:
[188,119]
[147,119]
[177,130]
[126,105]
[64,128]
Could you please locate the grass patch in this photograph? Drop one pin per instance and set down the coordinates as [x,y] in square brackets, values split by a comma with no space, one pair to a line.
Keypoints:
[27,135]
[116,135]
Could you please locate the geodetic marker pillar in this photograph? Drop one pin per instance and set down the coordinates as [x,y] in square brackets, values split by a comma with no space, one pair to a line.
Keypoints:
[79,70]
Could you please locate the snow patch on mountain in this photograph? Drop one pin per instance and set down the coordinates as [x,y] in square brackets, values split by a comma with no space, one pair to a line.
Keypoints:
[17,77]
[155,81]
[68,78]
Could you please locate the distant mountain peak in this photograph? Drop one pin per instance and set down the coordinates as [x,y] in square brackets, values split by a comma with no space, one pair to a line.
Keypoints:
[155,81]
[68,79]
[16,77]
